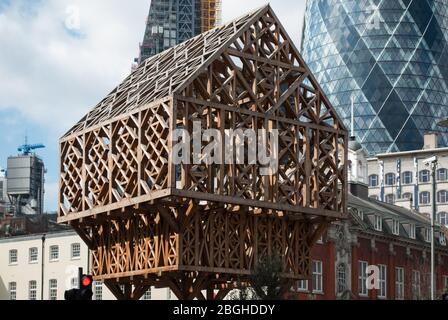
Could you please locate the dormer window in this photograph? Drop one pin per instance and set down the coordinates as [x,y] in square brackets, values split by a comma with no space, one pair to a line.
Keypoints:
[412,231]
[396,227]
[378,223]
[361,215]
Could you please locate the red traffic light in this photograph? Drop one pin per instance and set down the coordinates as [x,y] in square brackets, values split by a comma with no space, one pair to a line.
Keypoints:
[86,281]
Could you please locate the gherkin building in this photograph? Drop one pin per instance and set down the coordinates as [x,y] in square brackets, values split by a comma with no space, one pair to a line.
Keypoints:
[388,59]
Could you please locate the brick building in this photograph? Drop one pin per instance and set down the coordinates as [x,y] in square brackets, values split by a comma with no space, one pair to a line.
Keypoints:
[392,238]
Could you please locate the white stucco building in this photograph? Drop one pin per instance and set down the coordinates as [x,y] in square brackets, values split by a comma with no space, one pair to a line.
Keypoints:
[403,179]
[63,253]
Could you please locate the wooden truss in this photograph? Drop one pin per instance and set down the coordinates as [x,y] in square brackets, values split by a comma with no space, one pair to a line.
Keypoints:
[150,222]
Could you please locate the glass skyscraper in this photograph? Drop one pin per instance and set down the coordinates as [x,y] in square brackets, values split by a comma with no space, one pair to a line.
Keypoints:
[171,22]
[387,58]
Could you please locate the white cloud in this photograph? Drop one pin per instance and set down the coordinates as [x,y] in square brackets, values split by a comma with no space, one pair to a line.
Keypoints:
[53,77]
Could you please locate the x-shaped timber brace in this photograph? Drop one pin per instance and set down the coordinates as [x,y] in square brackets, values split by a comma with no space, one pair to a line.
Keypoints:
[201,229]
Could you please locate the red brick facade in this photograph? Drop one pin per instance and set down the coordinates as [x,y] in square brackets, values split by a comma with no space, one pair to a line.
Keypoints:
[389,252]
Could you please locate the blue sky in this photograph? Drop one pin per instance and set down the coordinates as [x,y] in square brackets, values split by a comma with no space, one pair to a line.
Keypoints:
[59,58]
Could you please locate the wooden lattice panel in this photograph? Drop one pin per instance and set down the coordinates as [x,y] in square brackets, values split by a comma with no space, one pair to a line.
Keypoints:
[170,238]
[150,221]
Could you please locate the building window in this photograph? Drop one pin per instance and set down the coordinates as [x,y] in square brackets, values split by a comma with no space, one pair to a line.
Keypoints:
[390,179]
[390,199]
[396,227]
[54,253]
[98,291]
[425,176]
[362,285]
[442,196]
[302,285]
[53,294]
[443,218]
[13,256]
[442,175]
[407,177]
[12,289]
[33,255]
[412,231]
[341,284]
[317,277]
[407,196]
[416,285]
[445,283]
[147,296]
[373,181]
[425,197]
[75,251]
[374,197]
[378,223]
[399,283]
[383,282]
[32,290]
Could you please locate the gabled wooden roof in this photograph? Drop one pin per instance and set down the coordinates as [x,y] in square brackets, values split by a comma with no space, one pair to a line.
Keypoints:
[163,74]
[169,72]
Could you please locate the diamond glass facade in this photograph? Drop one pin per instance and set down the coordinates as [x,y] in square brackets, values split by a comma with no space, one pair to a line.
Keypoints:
[387,57]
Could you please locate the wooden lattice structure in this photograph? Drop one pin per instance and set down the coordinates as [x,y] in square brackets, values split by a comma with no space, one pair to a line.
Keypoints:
[149,222]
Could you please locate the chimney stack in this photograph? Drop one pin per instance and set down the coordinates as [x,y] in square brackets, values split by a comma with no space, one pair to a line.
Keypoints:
[430,141]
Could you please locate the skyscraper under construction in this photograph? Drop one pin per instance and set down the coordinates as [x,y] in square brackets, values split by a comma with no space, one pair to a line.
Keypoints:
[171,22]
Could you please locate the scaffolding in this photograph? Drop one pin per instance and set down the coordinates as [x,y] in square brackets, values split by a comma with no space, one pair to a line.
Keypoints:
[211,14]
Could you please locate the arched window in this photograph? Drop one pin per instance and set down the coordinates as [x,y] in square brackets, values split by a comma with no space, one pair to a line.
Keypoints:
[407,196]
[390,179]
[442,174]
[341,278]
[425,197]
[442,196]
[390,198]
[407,177]
[425,176]
[443,218]
[373,180]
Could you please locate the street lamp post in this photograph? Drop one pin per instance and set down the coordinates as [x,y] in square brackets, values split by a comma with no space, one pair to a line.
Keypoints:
[433,162]
[42,269]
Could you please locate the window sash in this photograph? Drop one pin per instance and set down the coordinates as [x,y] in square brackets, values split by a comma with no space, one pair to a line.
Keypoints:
[34,255]
[54,253]
[53,294]
[399,283]
[383,282]
[302,285]
[75,250]
[317,277]
[362,284]
[12,289]
[98,291]
[32,290]
[373,181]
[13,256]
[407,177]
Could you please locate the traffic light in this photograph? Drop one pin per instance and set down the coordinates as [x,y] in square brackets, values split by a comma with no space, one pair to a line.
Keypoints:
[85,287]
[84,292]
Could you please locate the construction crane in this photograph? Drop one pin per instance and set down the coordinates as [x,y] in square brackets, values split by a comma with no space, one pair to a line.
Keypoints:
[27,148]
